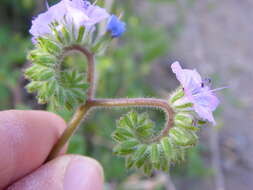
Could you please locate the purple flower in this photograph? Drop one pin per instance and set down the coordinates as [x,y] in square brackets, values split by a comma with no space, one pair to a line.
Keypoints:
[196,92]
[84,13]
[116,27]
[40,25]
[79,12]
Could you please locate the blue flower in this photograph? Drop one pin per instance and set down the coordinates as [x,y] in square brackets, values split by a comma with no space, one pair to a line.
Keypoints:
[116,27]
[78,12]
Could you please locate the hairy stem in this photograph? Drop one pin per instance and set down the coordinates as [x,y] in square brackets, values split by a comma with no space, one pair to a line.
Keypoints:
[92,102]
[90,67]
[69,131]
[139,102]
[109,103]
[83,109]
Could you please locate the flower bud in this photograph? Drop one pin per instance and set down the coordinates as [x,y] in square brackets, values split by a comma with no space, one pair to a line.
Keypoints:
[116,27]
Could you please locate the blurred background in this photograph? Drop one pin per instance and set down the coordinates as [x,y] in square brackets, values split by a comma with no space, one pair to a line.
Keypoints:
[213,36]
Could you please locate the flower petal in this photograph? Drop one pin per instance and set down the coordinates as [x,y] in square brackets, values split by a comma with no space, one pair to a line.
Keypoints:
[82,13]
[206,99]
[189,79]
[204,113]
[203,99]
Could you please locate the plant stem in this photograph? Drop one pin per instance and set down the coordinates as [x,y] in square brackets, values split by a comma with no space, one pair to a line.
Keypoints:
[93,102]
[90,67]
[109,103]
[83,109]
[69,131]
[139,102]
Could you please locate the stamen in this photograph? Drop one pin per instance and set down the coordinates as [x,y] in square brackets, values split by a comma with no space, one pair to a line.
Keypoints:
[208,91]
[206,82]
[218,89]
[86,4]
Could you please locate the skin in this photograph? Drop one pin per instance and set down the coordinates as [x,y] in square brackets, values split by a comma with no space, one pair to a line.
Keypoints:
[26,138]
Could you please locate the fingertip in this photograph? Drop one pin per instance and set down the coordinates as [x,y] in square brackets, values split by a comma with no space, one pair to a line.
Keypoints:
[26,138]
[83,173]
[66,172]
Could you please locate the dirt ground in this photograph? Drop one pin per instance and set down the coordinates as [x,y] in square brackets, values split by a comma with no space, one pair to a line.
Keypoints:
[216,38]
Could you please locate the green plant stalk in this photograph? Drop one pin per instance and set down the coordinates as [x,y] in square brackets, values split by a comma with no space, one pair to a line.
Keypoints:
[82,109]
[92,102]
[70,130]
[90,67]
[139,102]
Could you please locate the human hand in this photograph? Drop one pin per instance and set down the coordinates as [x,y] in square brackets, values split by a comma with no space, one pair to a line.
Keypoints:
[26,138]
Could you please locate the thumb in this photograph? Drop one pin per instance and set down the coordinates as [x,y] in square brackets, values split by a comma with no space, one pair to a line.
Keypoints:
[66,172]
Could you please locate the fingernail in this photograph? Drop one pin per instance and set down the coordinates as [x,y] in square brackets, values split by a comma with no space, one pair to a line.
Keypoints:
[82,174]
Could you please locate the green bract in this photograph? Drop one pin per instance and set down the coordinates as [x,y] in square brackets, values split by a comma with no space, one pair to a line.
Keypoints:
[137,143]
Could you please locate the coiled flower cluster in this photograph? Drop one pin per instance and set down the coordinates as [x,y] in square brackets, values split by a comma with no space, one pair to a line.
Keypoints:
[65,27]
[71,25]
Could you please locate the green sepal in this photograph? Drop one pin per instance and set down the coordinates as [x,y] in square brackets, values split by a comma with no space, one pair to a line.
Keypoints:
[51,88]
[182,119]
[118,137]
[66,35]
[140,155]
[165,165]
[33,86]
[157,165]
[201,122]
[155,153]
[184,106]
[185,120]
[126,121]
[139,125]
[147,168]
[124,132]
[42,58]
[101,44]
[49,45]
[178,94]
[39,73]
[80,34]
[57,35]
[126,147]
[129,163]
[183,137]
[167,148]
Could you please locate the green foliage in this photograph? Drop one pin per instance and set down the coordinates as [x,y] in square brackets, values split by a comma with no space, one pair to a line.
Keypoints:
[77,145]
[195,166]
[20,5]
[12,57]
